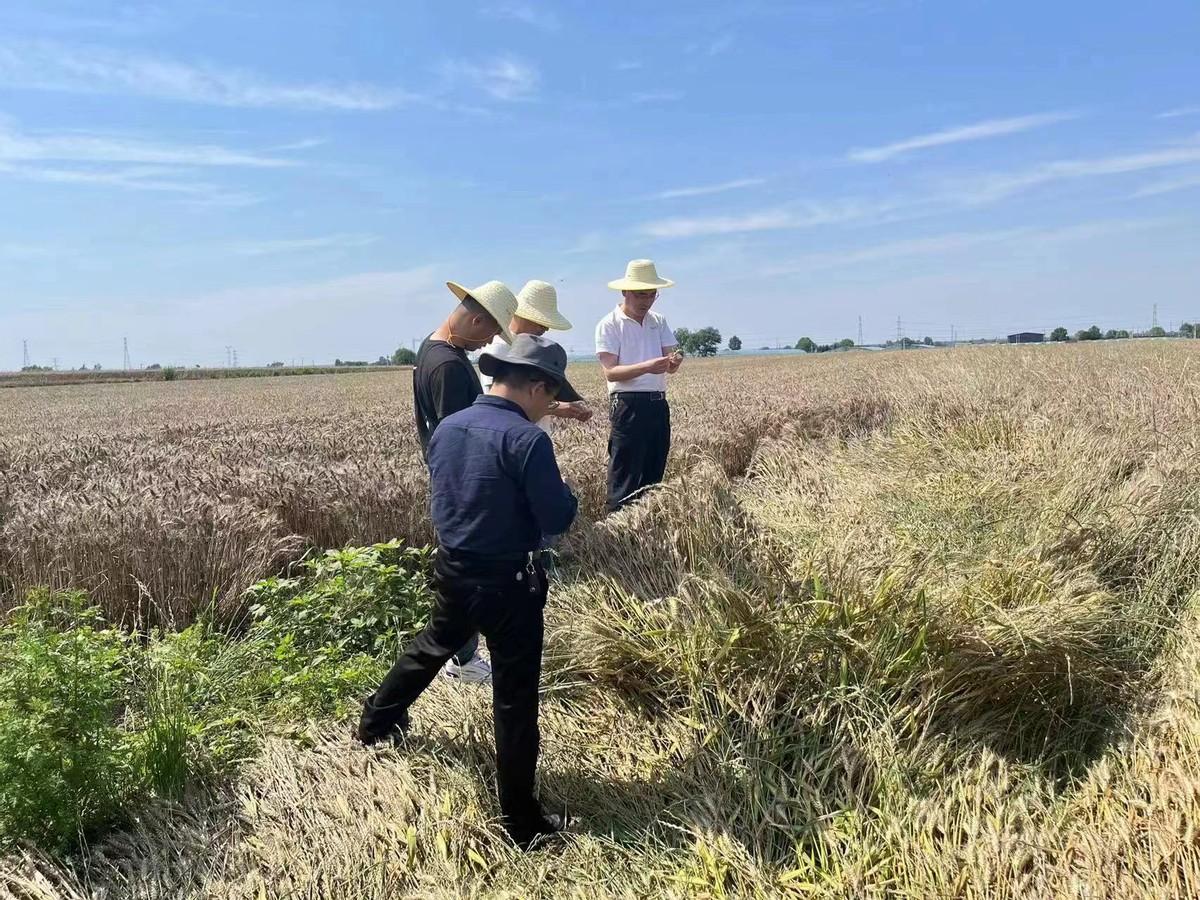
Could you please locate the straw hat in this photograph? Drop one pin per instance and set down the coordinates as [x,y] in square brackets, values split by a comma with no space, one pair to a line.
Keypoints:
[640,275]
[495,297]
[537,302]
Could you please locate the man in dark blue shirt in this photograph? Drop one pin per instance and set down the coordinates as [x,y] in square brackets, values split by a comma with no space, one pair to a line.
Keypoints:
[496,490]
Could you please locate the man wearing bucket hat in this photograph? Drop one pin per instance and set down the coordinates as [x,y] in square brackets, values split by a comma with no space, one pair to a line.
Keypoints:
[445,382]
[537,313]
[496,490]
[637,350]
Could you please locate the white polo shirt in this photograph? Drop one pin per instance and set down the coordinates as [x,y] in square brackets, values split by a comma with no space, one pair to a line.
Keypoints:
[499,348]
[632,343]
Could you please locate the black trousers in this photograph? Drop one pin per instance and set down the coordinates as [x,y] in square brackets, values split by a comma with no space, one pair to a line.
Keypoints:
[637,445]
[509,614]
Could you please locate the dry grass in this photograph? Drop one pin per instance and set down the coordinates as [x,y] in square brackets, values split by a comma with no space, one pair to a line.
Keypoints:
[904,625]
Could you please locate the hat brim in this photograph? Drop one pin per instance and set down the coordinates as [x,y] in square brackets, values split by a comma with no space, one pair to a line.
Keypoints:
[626,284]
[556,322]
[463,293]
[488,365]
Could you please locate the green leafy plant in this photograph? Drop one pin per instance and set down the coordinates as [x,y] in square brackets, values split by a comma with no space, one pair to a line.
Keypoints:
[66,766]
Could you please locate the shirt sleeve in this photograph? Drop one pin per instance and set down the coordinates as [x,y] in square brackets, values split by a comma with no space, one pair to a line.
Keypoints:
[668,336]
[608,337]
[553,504]
[450,389]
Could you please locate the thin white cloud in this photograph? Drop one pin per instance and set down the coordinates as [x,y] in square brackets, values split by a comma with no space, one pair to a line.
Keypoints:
[628,65]
[52,66]
[295,245]
[16,146]
[706,189]
[764,220]
[987,189]
[588,243]
[1169,186]
[526,14]
[1179,113]
[977,131]
[303,144]
[714,47]
[504,78]
[955,242]
[657,97]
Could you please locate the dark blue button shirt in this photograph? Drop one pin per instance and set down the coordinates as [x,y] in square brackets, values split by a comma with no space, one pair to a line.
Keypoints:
[495,485]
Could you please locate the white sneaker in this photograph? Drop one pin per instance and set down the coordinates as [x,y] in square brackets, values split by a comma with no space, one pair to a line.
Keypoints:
[476,670]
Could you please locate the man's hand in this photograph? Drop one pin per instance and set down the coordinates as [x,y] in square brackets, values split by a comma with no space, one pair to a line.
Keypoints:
[577,410]
[676,359]
[659,366]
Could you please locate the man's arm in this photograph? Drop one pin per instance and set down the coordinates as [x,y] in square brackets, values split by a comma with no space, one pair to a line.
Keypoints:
[577,410]
[553,504]
[451,389]
[615,372]
[675,357]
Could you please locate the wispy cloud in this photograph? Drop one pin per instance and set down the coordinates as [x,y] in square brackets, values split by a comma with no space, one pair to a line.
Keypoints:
[53,66]
[713,47]
[17,146]
[956,242]
[628,65]
[588,243]
[1179,113]
[975,132]
[764,220]
[1169,186]
[525,13]
[504,78]
[706,189]
[657,97]
[294,245]
[987,189]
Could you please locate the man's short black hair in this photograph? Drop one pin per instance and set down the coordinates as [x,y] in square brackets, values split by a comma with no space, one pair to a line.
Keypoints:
[475,308]
[521,376]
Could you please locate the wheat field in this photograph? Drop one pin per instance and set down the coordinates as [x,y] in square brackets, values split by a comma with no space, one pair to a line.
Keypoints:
[898,625]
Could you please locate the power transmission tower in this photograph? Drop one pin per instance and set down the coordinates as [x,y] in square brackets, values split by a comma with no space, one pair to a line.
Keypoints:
[228,357]
[54,364]
[235,364]
[953,337]
[25,348]
[860,340]
[899,332]
[1154,317]
[125,342]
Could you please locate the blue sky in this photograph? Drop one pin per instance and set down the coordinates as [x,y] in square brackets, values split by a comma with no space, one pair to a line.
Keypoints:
[298,180]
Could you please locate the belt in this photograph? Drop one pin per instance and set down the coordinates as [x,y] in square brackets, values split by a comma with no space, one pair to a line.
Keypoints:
[640,395]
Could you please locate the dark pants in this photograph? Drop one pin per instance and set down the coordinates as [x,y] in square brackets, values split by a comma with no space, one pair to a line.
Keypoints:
[509,614]
[638,444]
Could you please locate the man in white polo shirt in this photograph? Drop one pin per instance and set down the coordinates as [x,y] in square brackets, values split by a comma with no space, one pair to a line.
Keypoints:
[637,351]
[537,312]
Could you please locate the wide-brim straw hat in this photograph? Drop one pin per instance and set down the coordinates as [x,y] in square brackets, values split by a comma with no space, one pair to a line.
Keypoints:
[537,302]
[495,297]
[640,275]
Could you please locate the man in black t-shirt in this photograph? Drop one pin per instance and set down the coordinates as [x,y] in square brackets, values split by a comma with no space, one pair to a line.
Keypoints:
[445,382]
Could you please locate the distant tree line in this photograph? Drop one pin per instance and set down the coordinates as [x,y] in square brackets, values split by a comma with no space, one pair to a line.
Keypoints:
[1060,334]
[808,345]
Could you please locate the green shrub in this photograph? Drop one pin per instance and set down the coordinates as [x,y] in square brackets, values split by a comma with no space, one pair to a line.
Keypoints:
[356,600]
[66,766]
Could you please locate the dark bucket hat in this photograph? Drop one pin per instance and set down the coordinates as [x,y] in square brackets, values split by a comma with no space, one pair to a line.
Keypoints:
[536,352]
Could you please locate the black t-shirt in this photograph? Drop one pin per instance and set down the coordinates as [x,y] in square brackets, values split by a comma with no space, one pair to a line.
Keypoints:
[444,382]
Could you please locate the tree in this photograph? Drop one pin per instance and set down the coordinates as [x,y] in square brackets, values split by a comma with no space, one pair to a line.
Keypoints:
[702,342]
[845,343]
[928,342]
[154,367]
[1089,334]
[706,342]
[404,357]
[1060,334]
[1158,331]
[275,365]
[735,343]
[806,344]
[1187,329]
[382,361]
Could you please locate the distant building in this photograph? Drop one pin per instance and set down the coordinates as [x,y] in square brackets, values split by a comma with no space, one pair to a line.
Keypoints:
[1026,337]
